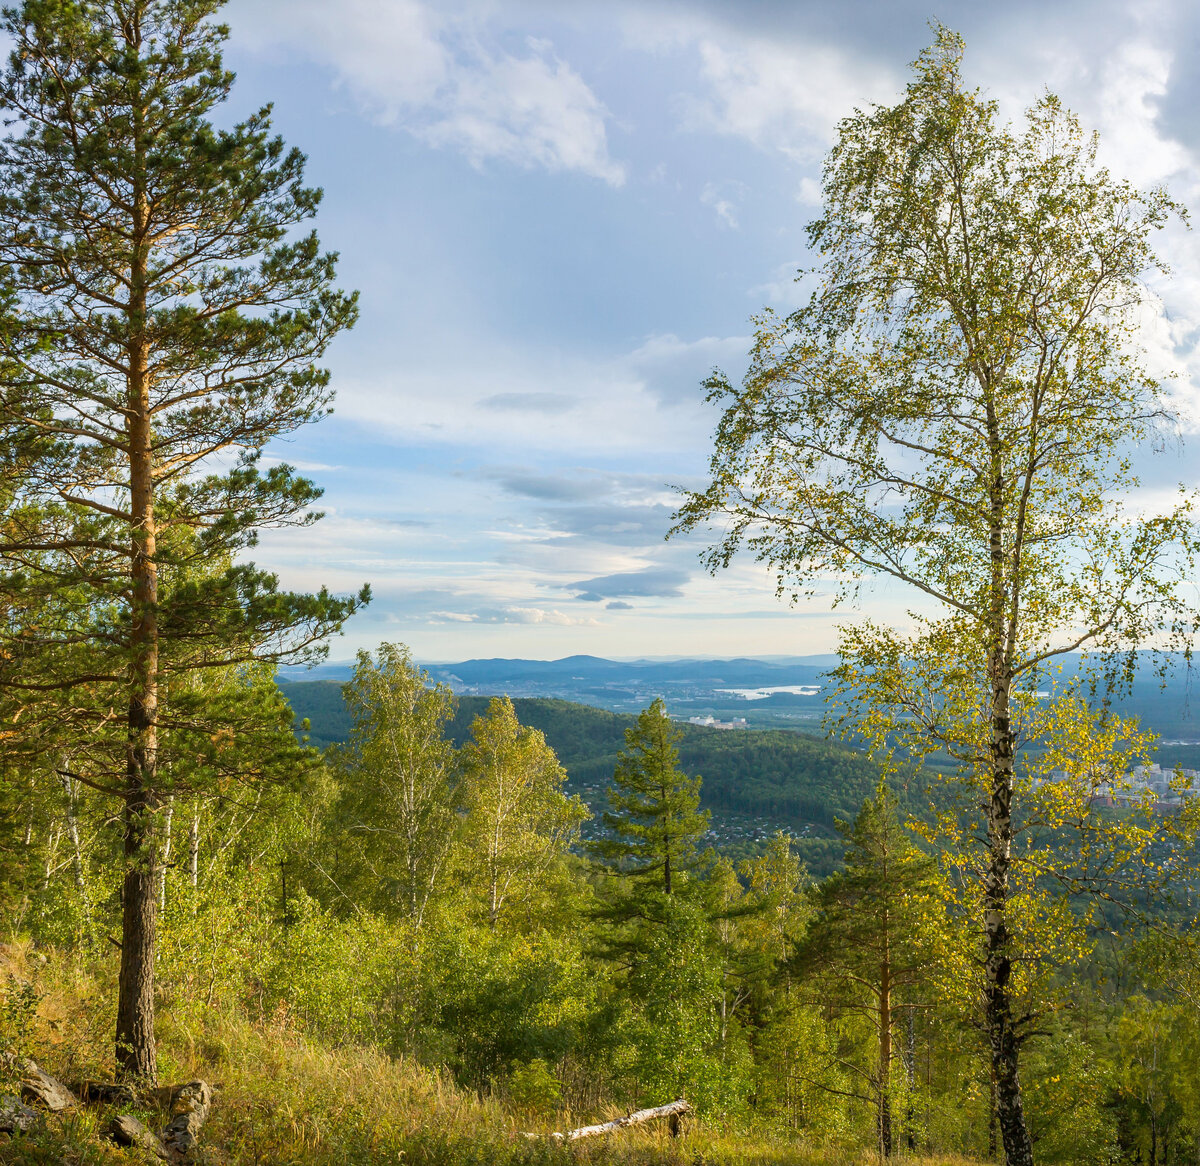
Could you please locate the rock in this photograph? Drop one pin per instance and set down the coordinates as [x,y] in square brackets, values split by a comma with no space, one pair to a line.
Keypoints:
[128,1131]
[36,1086]
[189,1107]
[45,1090]
[15,1116]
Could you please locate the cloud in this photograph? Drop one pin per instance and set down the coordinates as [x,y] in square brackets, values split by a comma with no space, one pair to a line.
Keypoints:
[654,582]
[650,398]
[429,70]
[674,370]
[809,192]
[531,111]
[529,403]
[546,487]
[514,615]
[784,97]
[618,605]
[725,208]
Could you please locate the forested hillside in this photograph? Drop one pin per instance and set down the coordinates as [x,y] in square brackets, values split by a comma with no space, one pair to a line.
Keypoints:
[754,781]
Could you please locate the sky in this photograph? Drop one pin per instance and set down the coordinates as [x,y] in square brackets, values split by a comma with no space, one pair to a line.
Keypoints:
[561,217]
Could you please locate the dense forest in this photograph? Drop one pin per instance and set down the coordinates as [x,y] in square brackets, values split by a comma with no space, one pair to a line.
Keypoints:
[418,942]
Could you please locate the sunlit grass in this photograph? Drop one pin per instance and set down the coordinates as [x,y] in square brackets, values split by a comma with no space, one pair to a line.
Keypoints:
[284,1099]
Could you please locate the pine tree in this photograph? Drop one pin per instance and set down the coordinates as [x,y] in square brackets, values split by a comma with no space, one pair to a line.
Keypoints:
[870,938]
[655,821]
[165,317]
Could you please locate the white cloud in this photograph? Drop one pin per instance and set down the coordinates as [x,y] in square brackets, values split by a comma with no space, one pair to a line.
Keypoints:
[809,192]
[427,69]
[515,615]
[781,96]
[674,370]
[651,398]
[725,208]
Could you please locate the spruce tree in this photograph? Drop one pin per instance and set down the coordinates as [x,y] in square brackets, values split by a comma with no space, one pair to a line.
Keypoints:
[165,313]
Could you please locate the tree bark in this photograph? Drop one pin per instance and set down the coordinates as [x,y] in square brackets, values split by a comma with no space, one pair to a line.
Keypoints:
[135,1001]
[193,861]
[673,1110]
[165,857]
[1002,1037]
[73,833]
[885,1052]
[135,996]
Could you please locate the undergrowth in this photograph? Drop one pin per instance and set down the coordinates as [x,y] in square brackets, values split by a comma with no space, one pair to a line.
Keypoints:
[283,1099]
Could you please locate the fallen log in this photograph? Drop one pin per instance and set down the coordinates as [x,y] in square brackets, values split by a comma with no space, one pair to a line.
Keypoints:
[674,1110]
[189,1107]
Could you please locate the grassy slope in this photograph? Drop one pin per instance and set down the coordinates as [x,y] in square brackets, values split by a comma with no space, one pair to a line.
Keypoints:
[284,1099]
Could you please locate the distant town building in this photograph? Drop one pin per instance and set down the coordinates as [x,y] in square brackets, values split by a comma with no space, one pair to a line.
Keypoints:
[1169,788]
[711,722]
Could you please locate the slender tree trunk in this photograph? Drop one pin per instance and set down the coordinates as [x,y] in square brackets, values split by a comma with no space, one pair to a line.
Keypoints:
[165,858]
[662,797]
[885,1051]
[53,838]
[1002,1037]
[27,834]
[73,833]
[910,1076]
[993,1141]
[193,859]
[135,1001]
[494,871]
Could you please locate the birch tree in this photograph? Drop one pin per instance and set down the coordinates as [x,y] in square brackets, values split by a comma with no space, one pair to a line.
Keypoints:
[399,796]
[954,408]
[519,820]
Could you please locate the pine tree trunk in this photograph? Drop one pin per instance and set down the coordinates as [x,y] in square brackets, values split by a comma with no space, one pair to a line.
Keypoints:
[135,997]
[135,1000]
[885,1053]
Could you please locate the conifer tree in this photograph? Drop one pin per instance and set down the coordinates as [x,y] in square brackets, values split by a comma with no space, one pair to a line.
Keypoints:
[870,939]
[655,820]
[165,314]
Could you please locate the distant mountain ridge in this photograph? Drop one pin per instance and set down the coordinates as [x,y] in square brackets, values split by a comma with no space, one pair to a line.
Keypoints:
[719,687]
